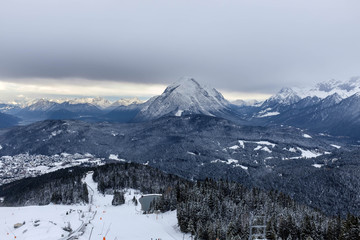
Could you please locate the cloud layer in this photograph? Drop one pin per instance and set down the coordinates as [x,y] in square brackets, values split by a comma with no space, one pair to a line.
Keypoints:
[238,46]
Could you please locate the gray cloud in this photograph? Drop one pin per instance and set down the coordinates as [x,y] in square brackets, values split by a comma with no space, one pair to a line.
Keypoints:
[234,45]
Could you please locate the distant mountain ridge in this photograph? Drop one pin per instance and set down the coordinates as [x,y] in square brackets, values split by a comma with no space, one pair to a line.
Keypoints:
[331,107]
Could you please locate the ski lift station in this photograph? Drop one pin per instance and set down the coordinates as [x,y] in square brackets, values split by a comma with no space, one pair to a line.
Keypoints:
[146,199]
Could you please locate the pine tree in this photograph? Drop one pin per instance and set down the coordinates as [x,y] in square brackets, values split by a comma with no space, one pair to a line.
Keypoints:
[118,199]
[85,193]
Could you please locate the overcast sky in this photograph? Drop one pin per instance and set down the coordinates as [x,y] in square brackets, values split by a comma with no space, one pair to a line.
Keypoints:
[121,48]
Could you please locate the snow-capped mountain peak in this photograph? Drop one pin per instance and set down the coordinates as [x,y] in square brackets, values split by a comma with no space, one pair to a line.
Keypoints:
[126,102]
[324,89]
[40,104]
[335,88]
[285,96]
[44,104]
[97,101]
[185,96]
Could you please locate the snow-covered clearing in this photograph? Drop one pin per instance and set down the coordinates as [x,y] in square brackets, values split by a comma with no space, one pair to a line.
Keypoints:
[291,149]
[268,114]
[234,147]
[266,149]
[230,161]
[335,146]
[306,135]
[242,145]
[308,153]
[317,165]
[179,113]
[266,143]
[239,165]
[96,220]
[116,158]
[191,153]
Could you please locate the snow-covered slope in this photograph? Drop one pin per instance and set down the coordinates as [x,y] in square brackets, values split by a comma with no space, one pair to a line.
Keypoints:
[96,220]
[324,89]
[40,104]
[185,96]
[330,107]
[342,89]
[285,96]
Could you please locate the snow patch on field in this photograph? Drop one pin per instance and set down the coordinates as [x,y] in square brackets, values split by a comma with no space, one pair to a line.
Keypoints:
[241,166]
[230,161]
[266,149]
[116,158]
[317,165]
[335,146]
[266,143]
[257,148]
[179,113]
[241,143]
[191,153]
[218,161]
[304,153]
[268,114]
[1,147]
[307,154]
[55,133]
[306,135]
[114,134]
[234,147]
[290,149]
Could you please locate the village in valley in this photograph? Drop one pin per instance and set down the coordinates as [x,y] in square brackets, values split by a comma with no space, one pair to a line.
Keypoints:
[25,165]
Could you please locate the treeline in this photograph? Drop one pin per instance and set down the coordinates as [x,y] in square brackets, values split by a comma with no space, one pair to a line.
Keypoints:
[61,187]
[223,210]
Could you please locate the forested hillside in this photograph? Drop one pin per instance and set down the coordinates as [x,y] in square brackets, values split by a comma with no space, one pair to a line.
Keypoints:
[60,187]
[207,209]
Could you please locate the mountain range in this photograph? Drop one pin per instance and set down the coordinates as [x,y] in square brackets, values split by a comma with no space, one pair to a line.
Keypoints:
[331,107]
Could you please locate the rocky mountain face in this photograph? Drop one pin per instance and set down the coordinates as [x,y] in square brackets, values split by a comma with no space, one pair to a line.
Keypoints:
[185,96]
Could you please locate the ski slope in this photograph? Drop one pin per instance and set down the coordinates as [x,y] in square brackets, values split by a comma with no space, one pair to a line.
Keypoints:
[96,220]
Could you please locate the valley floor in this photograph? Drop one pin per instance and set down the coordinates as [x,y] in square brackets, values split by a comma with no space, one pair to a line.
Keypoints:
[96,220]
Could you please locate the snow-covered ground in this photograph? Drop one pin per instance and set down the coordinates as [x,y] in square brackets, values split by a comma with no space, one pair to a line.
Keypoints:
[96,220]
